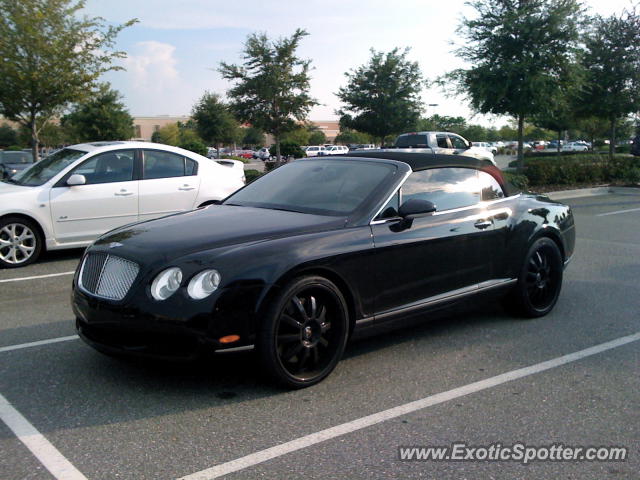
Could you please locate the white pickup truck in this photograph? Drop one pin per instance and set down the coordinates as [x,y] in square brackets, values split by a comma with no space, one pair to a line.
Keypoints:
[442,143]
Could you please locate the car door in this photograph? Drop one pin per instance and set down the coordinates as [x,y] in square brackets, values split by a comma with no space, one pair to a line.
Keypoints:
[443,253]
[459,144]
[442,144]
[169,184]
[108,199]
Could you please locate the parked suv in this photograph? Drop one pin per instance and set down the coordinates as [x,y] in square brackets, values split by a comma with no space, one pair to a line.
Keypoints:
[314,150]
[12,162]
[334,150]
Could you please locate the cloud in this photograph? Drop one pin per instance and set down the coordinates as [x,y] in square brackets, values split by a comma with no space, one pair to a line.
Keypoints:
[152,66]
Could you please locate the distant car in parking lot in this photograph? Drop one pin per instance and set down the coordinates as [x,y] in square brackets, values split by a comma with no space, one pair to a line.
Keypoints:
[71,197]
[487,146]
[263,154]
[334,150]
[12,162]
[314,150]
[248,154]
[575,147]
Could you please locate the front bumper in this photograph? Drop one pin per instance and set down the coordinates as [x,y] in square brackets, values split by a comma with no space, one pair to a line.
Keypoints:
[129,329]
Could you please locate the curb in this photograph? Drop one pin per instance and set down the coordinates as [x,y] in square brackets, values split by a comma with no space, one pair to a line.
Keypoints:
[592,192]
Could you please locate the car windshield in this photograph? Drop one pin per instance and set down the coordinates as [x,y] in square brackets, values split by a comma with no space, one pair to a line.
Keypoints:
[15,157]
[326,187]
[47,168]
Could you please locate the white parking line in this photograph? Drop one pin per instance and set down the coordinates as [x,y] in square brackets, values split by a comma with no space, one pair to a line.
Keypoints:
[38,343]
[36,277]
[49,456]
[617,212]
[360,423]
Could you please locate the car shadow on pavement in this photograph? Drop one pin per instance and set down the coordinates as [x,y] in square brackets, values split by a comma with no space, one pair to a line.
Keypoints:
[60,255]
[106,390]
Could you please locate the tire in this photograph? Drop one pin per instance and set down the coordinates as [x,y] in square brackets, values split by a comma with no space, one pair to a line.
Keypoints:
[20,242]
[304,332]
[539,281]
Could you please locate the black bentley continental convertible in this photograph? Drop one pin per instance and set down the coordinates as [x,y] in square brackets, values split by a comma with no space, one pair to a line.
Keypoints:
[292,263]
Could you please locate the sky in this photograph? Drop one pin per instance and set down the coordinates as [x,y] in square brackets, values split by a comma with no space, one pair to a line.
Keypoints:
[175,49]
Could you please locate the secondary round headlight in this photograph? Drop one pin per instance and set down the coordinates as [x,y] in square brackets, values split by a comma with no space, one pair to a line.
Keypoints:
[166,283]
[204,284]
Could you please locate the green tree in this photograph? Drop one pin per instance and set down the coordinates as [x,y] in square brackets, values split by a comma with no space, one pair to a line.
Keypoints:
[8,136]
[382,97]
[474,133]
[50,57]
[253,136]
[189,138]
[103,116]
[507,132]
[214,121]
[271,88]
[299,136]
[53,135]
[156,137]
[169,135]
[317,137]
[347,136]
[612,62]
[558,113]
[442,123]
[592,127]
[517,50]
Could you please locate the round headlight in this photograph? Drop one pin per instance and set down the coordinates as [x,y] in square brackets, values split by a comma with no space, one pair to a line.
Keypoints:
[166,283]
[204,284]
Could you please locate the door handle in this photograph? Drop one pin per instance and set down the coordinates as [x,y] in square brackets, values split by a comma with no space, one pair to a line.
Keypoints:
[501,215]
[123,193]
[186,188]
[482,224]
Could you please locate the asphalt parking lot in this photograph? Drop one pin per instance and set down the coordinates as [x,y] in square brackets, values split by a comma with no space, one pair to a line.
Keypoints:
[471,374]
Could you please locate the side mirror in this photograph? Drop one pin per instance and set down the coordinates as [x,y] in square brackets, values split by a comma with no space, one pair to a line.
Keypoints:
[415,207]
[76,179]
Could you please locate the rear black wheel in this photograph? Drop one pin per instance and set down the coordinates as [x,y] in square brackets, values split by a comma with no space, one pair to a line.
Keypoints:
[539,282]
[304,333]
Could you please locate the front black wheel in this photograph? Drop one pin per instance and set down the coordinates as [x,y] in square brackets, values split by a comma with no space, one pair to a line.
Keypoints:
[304,333]
[539,282]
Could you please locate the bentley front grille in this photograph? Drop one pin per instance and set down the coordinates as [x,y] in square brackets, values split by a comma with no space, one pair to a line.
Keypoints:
[107,276]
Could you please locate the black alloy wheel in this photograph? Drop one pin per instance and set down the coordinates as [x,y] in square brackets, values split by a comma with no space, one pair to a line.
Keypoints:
[540,280]
[305,332]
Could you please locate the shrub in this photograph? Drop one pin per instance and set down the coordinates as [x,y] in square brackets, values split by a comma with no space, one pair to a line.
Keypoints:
[623,149]
[517,181]
[288,149]
[195,146]
[251,175]
[584,169]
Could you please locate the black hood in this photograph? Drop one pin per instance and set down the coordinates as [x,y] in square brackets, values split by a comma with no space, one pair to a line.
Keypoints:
[209,228]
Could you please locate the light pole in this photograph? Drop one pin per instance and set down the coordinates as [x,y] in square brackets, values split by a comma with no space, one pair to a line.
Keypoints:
[429,105]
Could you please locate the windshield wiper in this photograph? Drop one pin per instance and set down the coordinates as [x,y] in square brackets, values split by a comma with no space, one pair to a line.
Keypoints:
[10,180]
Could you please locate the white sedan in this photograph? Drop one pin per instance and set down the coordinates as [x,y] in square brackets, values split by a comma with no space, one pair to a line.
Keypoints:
[76,194]
[575,147]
